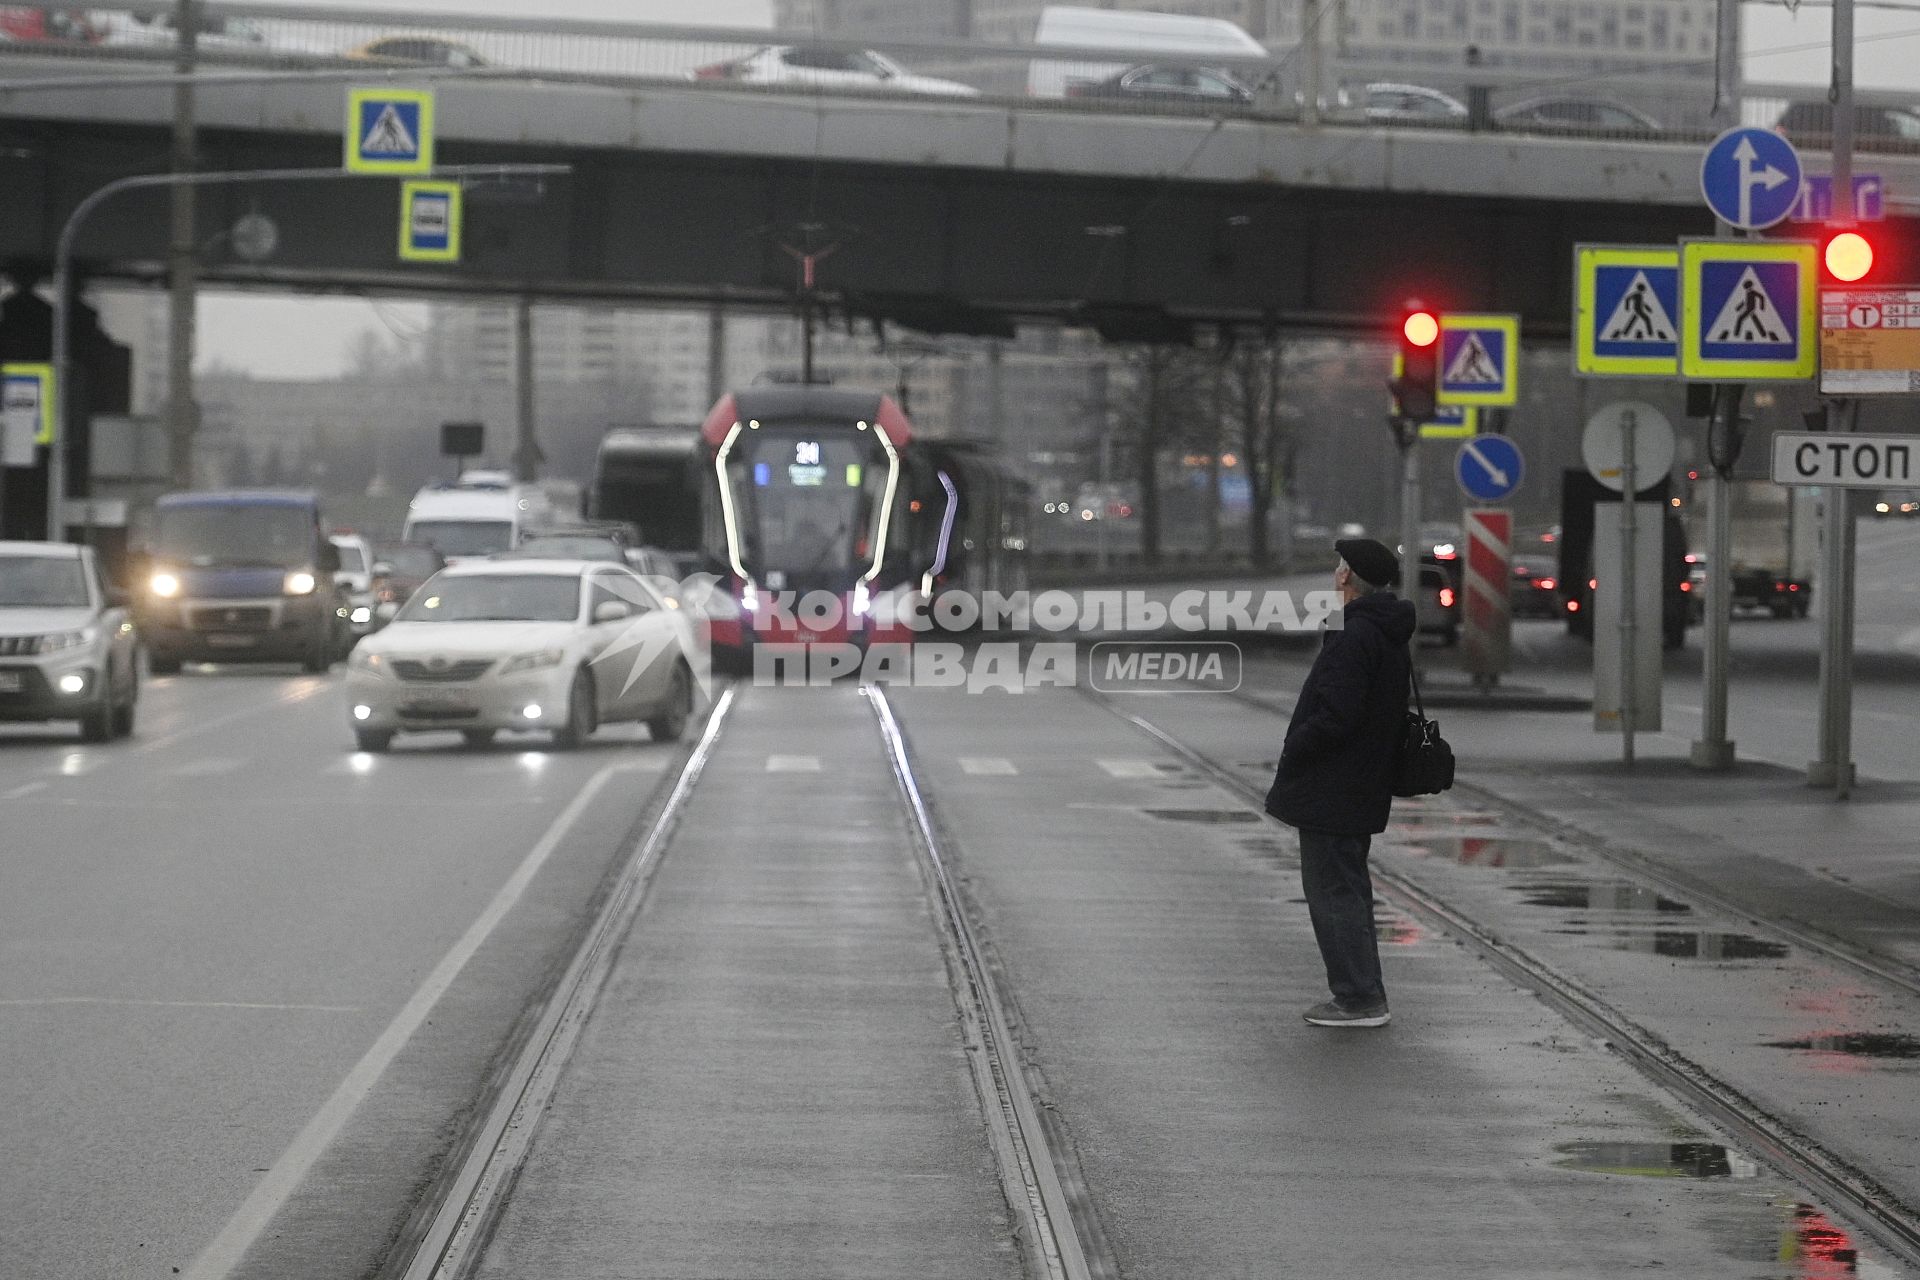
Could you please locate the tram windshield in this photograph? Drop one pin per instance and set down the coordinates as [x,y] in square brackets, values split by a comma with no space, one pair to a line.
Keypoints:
[810,502]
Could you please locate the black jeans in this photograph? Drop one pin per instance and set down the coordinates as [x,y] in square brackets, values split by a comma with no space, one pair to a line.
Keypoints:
[1333,874]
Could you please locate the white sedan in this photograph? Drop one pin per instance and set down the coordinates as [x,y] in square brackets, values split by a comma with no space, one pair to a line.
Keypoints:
[560,645]
[824,67]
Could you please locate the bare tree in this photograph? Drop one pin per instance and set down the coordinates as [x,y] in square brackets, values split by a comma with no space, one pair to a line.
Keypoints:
[1162,406]
[1267,442]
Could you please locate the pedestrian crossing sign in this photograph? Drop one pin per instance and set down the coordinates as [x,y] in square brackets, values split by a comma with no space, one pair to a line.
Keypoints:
[1479,360]
[1748,310]
[390,131]
[1626,317]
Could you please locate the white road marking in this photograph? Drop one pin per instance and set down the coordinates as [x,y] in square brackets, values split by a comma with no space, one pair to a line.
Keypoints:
[300,691]
[1133,768]
[220,1257]
[793,764]
[211,767]
[987,767]
[24,789]
[40,1001]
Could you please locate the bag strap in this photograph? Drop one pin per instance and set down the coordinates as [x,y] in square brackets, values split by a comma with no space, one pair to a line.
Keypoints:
[1413,675]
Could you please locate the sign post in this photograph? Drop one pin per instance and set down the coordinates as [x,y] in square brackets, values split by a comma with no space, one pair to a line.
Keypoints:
[1627,447]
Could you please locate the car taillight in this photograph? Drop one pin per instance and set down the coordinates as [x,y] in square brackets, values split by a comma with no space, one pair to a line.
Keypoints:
[1446,597]
[717,71]
[1593,584]
[1545,584]
[1573,606]
[1686,586]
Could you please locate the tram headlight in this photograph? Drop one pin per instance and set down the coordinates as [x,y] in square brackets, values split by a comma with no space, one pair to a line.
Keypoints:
[749,598]
[862,600]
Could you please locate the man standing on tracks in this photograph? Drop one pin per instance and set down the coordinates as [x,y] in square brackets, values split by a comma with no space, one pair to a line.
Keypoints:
[1335,781]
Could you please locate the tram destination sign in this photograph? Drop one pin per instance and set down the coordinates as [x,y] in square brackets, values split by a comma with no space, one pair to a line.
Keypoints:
[1845,461]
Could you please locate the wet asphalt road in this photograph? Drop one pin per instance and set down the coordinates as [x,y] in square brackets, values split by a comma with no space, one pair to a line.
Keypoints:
[208,929]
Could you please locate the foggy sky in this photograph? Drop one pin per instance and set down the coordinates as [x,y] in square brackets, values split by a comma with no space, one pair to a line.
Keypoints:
[308,337]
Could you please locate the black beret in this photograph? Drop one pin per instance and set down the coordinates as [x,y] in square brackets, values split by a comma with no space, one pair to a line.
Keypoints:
[1370,561]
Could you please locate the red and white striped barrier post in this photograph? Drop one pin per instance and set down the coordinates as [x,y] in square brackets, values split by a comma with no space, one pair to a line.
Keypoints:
[1486,638]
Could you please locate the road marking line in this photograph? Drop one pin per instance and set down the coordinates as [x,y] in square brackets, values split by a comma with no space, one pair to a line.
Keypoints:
[298,692]
[24,789]
[220,1257]
[793,764]
[987,767]
[1135,768]
[38,1001]
[211,767]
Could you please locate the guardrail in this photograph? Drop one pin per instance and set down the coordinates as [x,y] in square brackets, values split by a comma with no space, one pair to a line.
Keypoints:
[1663,101]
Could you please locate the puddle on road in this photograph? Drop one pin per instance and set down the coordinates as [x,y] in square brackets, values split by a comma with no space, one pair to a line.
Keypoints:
[1657,1159]
[1489,851]
[1215,817]
[1856,1044]
[1445,818]
[1678,944]
[1604,895]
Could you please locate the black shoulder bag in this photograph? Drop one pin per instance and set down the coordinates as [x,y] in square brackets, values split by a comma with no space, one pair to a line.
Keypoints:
[1424,766]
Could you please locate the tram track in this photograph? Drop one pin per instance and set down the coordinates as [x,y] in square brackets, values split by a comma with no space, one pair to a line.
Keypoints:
[1827,1173]
[472,1195]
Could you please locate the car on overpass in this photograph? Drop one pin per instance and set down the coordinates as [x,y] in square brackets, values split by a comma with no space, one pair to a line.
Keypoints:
[1166,82]
[68,650]
[1810,123]
[558,645]
[1567,113]
[425,51]
[1388,103]
[829,67]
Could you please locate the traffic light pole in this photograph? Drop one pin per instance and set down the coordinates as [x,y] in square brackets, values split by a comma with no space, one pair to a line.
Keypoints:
[1714,750]
[1406,434]
[1834,768]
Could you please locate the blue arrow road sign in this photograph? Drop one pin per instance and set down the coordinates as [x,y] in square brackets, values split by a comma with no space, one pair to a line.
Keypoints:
[1489,467]
[1750,177]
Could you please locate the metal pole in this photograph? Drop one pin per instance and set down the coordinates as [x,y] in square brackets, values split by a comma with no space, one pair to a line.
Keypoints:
[1714,750]
[716,353]
[1310,61]
[183,415]
[1841,95]
[1410,515]
[1834,768]
[1629,588]
[526,450]
[69,232]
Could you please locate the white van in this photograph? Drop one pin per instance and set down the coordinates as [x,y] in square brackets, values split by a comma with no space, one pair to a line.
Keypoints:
[1145,37]
[463,521]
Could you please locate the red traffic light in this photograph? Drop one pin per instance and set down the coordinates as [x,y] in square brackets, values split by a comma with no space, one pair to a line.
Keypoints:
[1849,256]
[1421,328]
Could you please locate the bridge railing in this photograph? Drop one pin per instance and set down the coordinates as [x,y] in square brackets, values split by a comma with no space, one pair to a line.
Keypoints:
[1661,99]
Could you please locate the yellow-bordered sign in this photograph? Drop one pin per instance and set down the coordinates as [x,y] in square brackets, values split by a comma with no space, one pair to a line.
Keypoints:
[30,380]
[1479,360]
[1449,422]
[390,131]
[1626,311]
[1748,310]
[430,221]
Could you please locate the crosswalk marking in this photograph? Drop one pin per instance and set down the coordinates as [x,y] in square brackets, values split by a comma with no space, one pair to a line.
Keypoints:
[987,767]
[793,764]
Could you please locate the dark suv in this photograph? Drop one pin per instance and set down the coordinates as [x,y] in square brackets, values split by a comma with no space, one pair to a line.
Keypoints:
[241,576]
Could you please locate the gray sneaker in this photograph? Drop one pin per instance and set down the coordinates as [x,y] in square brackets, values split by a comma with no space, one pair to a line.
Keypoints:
[1331,1014]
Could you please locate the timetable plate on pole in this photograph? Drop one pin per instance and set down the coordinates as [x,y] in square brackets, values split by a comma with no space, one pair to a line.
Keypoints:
[1870,341]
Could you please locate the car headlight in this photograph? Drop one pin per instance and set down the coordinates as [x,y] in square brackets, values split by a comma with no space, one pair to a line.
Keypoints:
[533,661]
[300,583]
[67,640]
[164,585]
[361,660]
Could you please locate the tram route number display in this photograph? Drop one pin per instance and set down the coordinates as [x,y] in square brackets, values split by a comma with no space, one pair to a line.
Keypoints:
[1845,461]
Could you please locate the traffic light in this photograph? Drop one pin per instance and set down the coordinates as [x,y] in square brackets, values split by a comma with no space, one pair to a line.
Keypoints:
[1847,256]
[1415,387]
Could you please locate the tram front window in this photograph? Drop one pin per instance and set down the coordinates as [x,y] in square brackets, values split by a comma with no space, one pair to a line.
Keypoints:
[810,501]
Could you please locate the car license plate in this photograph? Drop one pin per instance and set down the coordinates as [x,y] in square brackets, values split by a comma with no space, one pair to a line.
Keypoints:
[440,701]
[12,682]
[220,641]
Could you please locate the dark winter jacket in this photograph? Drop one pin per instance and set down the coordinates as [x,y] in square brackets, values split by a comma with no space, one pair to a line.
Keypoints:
[1336,769]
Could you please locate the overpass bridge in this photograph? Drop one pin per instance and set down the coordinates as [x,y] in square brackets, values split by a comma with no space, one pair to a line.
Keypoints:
[960,214]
